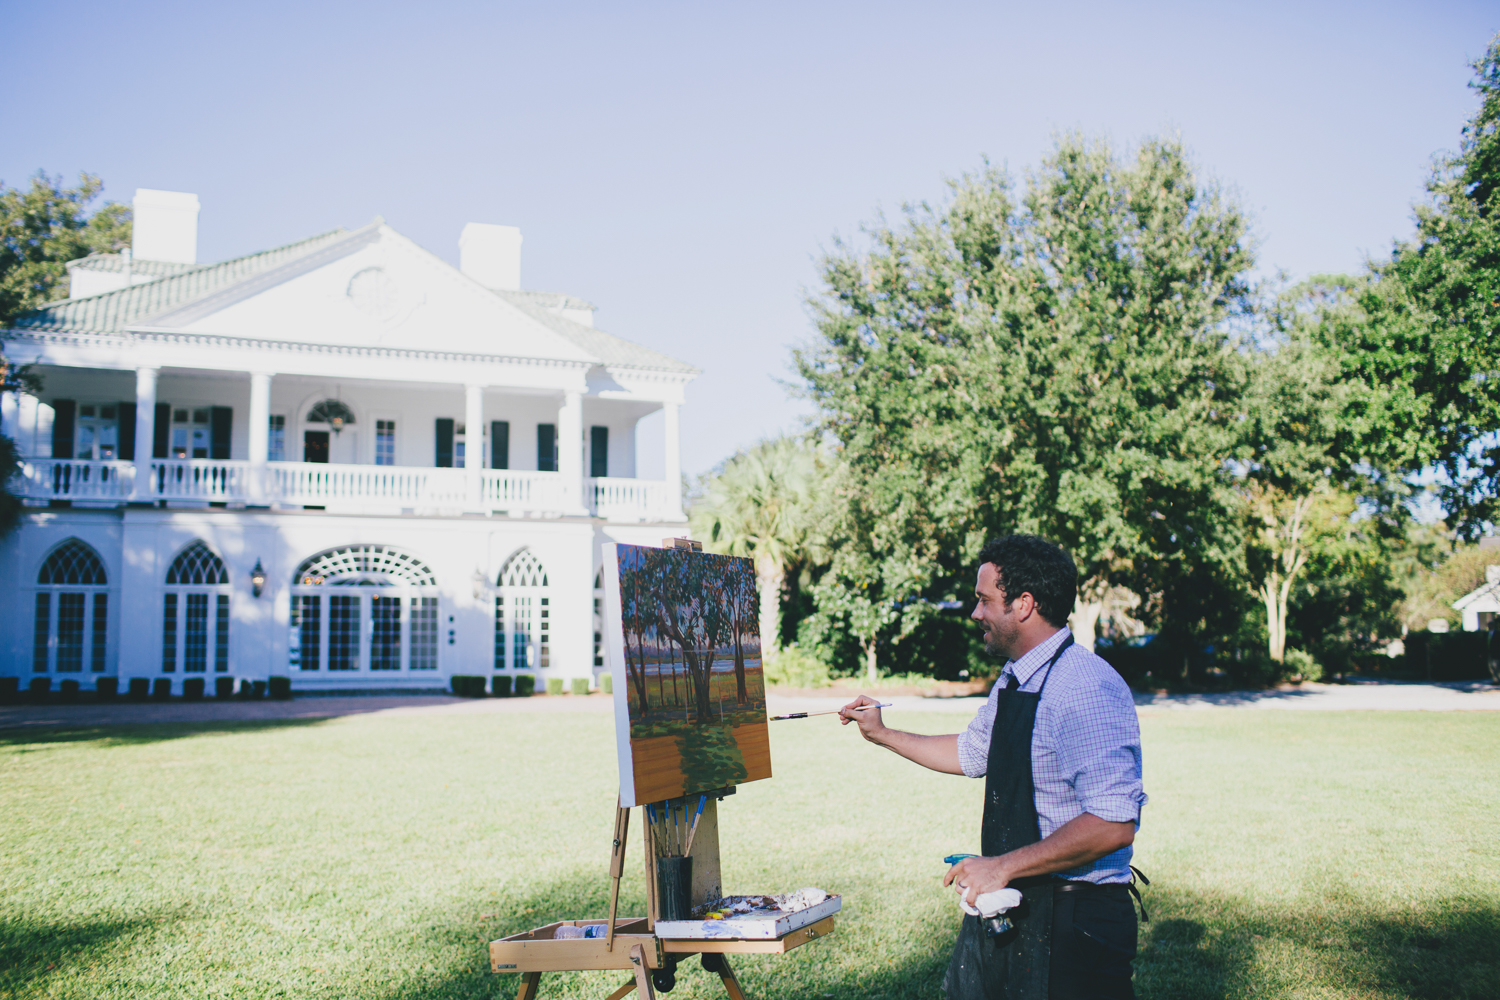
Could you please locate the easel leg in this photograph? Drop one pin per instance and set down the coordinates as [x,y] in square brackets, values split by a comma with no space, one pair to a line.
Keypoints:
[528,990]
[629,987]
[731,984]
[642,974]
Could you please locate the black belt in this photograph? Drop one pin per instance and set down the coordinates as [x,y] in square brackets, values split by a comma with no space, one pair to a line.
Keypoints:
[1080,886]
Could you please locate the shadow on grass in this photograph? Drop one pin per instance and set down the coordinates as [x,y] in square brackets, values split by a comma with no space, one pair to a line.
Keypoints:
[138,733]
[33,952]
[1207,948]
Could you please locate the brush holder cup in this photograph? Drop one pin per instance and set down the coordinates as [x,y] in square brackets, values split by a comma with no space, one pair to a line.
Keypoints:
[674,885]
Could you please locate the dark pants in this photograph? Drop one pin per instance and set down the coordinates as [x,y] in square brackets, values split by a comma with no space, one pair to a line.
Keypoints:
[1093,942]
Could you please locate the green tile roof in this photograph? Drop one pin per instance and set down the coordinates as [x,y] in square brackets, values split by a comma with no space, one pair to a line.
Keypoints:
[117,263]
[112,312]
[605,347]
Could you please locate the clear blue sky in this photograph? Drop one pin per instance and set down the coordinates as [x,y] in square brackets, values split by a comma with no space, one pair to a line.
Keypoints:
[683,165]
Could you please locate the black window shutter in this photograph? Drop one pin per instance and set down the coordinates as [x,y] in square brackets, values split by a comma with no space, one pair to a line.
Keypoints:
[445,442]
[161,430]
[127,432]
[598,451]
[546,447]
[63,413]
[499,444]
[220,428]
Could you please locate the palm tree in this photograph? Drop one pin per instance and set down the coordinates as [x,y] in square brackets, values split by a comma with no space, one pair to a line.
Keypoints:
[760,505]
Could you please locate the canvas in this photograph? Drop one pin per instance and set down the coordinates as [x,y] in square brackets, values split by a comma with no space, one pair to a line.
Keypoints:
[690,694]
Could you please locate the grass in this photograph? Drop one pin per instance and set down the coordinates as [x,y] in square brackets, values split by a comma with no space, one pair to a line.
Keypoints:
[1294,854]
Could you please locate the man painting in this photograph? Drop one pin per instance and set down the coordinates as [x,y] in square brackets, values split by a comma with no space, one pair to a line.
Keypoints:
[1059,747]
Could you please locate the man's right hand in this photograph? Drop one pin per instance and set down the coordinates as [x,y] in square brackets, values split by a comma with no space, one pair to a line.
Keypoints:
[868,719]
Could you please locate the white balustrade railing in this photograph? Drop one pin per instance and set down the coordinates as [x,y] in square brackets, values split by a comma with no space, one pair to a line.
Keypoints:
[347,487]
[628,499]
[214,480]
[506,489]
[74,479]
[338,487]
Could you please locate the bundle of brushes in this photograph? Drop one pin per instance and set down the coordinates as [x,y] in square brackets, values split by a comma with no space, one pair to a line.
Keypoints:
[672,832]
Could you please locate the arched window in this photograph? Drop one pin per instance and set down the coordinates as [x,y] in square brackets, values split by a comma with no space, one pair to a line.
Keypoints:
[72,611]
[195,612]
[330,411]
[523,614]
[335,591]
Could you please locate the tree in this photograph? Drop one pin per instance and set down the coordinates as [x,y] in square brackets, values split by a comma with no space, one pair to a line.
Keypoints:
[44,227]
[41,229]
[1061,364]
[1420,339]
[760,505]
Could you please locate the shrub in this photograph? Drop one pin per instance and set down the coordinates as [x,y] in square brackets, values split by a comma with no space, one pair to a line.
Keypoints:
[10,687]
[258,689]
[281,688]
[580,685]
[793,667]
[607,683]
[69,690]
[161,690]
[500,685]
[192,688]
[554,685]
[1449,656]
[525,685]
[40,686]
[107,687]
[140,687]
[467,685]
[1302,667]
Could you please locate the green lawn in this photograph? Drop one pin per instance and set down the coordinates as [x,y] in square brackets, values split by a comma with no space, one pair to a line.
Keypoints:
[1295,854]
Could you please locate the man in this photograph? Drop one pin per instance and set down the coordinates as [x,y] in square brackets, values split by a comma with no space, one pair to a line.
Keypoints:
[1059,748]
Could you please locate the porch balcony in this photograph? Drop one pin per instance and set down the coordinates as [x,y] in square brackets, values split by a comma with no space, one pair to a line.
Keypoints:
[361,489]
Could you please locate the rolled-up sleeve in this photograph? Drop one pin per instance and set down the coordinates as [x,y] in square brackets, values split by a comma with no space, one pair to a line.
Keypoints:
[974,742]
[1098,743]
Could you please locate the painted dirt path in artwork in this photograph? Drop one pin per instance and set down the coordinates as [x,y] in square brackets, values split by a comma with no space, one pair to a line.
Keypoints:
[713,757]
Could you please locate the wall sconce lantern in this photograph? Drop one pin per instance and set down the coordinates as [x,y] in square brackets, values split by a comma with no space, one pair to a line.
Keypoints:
[338,424]
[481,584]
[257,579]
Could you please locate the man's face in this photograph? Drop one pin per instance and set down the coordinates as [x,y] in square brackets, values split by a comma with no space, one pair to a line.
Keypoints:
[1001,619]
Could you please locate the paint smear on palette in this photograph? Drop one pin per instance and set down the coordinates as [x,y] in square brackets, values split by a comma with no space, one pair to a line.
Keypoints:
[683,634]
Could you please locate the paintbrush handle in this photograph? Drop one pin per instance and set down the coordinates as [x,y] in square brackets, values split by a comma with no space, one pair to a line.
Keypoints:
[813,715]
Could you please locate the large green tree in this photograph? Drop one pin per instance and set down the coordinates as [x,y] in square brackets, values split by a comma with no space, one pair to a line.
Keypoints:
[1062,361]
[1420,341]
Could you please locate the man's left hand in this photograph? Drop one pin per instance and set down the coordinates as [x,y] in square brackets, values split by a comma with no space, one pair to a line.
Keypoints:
[977,875]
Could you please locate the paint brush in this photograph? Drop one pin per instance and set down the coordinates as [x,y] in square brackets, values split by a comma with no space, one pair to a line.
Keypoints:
[813,715]
[693,830]
[651,824]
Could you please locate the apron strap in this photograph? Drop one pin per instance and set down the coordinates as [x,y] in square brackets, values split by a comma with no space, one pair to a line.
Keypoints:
[1136,873]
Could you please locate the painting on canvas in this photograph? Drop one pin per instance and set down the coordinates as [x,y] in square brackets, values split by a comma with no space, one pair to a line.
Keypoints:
[690,695]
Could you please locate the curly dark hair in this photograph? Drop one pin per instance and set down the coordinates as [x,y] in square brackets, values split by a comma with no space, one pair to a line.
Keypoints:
[1029,564]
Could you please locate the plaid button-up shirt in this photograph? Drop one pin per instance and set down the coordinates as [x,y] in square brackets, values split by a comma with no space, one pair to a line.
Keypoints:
[1085,747]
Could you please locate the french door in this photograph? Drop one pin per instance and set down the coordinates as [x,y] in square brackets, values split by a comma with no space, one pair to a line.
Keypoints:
[374,629]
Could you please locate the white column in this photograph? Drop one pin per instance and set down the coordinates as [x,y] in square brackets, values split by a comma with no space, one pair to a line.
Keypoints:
[260,434]
[570,452]
[145,424]
[673,463]
[473,442]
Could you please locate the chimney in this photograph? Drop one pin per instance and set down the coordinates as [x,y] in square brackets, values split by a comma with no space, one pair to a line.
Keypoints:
[165,226]
[491,255]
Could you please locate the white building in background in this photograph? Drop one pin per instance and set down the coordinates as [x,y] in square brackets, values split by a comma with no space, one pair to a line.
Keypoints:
[1480,605]
[342,460]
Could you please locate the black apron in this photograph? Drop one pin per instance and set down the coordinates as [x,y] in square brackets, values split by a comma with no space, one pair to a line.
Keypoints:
[1013,966]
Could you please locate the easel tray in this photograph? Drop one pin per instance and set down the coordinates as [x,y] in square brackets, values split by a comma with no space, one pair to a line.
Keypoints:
[760,924]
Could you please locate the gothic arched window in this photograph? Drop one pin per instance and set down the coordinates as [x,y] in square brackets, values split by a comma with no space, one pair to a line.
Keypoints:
[72,611]
[195,612]
[523,623]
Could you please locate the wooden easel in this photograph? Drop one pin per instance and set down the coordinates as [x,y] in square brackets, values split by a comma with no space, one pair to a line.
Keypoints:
[631,944]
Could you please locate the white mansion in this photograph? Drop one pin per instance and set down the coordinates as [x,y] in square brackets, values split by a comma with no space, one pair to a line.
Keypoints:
[343,461]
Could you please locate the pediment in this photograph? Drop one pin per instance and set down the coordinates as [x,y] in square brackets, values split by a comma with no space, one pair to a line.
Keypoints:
[374,289]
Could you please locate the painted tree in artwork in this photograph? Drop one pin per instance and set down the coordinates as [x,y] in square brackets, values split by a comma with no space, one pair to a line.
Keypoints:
[632,619]
[744,609]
